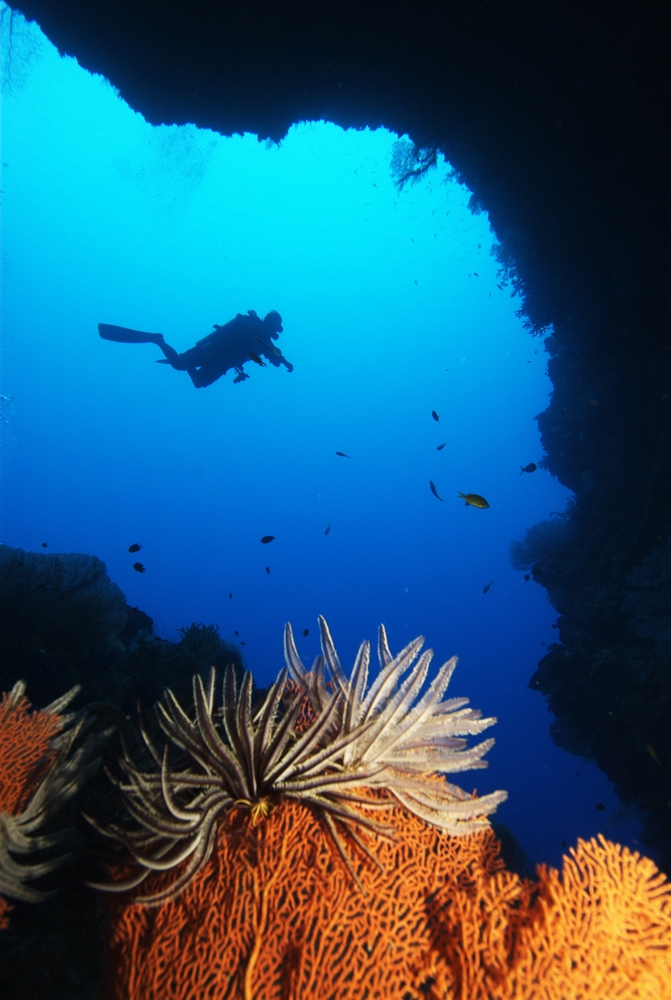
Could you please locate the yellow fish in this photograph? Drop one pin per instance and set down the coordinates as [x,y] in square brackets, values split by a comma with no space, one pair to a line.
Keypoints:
[653,754]
[474,500]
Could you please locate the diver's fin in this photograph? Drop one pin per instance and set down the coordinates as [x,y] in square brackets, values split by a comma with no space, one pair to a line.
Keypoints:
[122,335]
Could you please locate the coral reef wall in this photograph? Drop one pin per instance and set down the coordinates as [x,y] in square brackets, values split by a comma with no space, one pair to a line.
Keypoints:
[556,117]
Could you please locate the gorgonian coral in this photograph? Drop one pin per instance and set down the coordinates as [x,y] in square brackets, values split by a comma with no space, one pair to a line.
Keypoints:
[39,771]
[363,749]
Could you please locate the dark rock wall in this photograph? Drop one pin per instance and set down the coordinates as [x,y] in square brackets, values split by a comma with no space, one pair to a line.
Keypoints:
[556,115]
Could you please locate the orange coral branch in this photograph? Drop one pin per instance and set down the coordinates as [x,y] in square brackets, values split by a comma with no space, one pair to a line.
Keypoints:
[275,914]
[25,749]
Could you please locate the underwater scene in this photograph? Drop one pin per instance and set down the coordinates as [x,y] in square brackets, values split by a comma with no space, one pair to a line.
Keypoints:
[246,384]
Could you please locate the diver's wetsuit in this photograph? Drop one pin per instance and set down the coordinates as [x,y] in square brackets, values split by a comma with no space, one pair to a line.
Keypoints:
[242,339]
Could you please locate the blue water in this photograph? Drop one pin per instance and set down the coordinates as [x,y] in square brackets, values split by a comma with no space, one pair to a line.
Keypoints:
[107,219]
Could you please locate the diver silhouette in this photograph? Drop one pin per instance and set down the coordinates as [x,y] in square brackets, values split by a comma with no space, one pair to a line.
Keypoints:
[242,339]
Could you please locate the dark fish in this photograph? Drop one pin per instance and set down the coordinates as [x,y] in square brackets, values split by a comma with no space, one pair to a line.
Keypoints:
[267,539]
[600,806]
[435,491]
[44,545]
[236,633]
[563,843]
[474,500]
[242,642]
[553,626]
[139,568]
[342,454]
[435,416]
[526,576]
[135,547]
[441,446]
[268,347]
[268,570]
[328,527]
[475,274]
[306,631]
[487,586]
[531,467]
[230,596]
[256,359]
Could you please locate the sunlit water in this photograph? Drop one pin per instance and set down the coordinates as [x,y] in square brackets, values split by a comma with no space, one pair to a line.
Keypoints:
[391,310]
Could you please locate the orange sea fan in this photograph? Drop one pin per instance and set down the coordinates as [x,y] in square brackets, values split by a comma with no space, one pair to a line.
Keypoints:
[274,914]
[600,930]
[38,773]
[25,747]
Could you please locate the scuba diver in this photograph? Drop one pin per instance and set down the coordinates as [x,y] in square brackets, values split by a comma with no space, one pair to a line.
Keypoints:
[243,339]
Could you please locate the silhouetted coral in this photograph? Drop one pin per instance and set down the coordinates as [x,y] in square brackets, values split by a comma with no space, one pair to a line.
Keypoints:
[539,543]
[54,608]
[409,162]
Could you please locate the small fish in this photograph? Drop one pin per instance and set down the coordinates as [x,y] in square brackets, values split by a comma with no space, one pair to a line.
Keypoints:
[268,570]
[441,446]
[475,274]
[653,754]
[563,843]
[531,467]
[256,359]
[135,547]
[306,631]
[526,576]
[474,500]
[600,806]
[435,416]
[267,539]
[328,527]
[139,568]
[230,596]
[342,454]
[236,633]
[486,587]
[553,626]
[242,642]
[435,491]
[44,545]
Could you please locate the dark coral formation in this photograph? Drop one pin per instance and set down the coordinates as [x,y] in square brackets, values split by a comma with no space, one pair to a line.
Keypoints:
[64,622]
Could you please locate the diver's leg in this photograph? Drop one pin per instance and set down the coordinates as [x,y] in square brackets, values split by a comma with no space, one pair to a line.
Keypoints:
[206,375]
[169,352]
